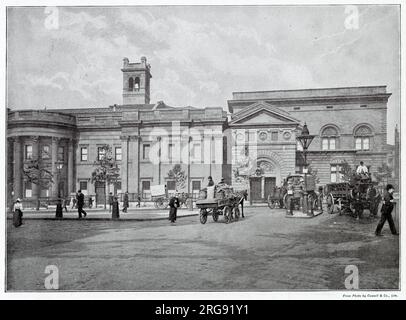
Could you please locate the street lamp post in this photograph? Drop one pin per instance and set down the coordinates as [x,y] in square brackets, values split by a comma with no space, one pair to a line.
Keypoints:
[305,140]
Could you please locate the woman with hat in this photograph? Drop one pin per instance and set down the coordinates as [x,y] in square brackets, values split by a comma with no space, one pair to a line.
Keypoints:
[18,213]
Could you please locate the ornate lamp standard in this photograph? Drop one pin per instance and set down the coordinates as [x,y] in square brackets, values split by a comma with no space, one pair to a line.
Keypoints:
[305,140]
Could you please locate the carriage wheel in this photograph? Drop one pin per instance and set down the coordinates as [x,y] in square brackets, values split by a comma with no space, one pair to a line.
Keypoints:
[203,216]
[161,203]
[227,214]
[236,213]
[215,215]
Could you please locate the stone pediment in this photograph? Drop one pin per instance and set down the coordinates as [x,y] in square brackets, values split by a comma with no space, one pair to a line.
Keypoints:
[262,113]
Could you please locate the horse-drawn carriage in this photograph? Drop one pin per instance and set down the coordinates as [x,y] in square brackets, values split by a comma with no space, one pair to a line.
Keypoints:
[296,186]
[216,201]
[160,197]
[353,197]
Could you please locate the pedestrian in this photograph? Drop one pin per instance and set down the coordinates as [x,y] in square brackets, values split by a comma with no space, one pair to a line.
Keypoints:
[59,209]
[111,200]
[64,204]
[125,202]
[139,201]
[17,213]
[80,201]
[386,212]
[90,202]
[74,201]
[115,212]
[173,208]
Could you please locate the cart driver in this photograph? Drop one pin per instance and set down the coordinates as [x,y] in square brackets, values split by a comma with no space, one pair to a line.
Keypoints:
[211,182]
[362,169]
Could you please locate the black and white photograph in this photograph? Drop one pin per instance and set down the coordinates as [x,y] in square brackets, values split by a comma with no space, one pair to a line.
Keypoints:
[203,148]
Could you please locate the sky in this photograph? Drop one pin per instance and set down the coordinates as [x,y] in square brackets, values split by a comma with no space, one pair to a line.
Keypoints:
[71,57]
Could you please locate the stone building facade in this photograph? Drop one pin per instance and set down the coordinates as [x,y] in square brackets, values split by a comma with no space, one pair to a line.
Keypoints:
[253,146]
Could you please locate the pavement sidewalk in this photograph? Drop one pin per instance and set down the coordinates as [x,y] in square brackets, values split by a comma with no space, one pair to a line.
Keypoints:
[105,215]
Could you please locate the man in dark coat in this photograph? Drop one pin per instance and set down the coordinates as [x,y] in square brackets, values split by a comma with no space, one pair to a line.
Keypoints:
[386,212]
[115,215]
[111,200]
[125,202]
[80,197]
[211,182]
[173,208]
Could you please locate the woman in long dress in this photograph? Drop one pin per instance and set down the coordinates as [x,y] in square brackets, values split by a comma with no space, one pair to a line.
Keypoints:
[18,213]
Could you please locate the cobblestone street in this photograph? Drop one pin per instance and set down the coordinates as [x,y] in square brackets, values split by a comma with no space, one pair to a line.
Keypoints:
[264,251]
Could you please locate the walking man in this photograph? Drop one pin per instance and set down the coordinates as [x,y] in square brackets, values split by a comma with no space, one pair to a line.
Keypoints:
[80,201]
[173,208]
[386,212]
[125,201]
[111,200]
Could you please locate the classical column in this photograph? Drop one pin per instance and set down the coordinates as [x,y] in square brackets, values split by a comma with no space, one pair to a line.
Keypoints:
[124,163]
[35,156]
[17,168]
[70,165]
[54,170]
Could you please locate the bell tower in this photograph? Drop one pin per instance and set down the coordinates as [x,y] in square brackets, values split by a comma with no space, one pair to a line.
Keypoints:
[136,82]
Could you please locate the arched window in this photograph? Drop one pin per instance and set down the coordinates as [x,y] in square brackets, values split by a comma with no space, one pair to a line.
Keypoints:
[131,84]
[329,138]
[362,136]
[137,84]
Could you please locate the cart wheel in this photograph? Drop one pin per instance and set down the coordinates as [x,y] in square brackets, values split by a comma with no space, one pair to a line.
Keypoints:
[236,213]
[227,214]
[215,215]
[203,216]
[271,204]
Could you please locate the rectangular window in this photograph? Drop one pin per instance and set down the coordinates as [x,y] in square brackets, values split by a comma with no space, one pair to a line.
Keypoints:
[358,143]
[332,143]
[365,142]
[83,185]
[196,153]
[145,151]
[100,153]
[118,154]
[251,136]
[170,151]
[335,173]
[28,189]
[196,186]
[171,185]
[324,145]
[146,189]
[61,153]
[118,187]
[274,136]
[28,152]
[46,153]
[83,154]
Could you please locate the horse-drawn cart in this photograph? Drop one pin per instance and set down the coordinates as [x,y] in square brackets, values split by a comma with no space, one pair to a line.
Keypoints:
[353,197]
[225,203]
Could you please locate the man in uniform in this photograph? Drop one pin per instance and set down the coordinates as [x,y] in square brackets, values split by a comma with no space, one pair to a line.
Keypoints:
[386,212]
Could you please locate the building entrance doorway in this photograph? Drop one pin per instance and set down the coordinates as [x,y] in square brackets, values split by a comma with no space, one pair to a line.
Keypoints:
[100,189]
[261,188]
